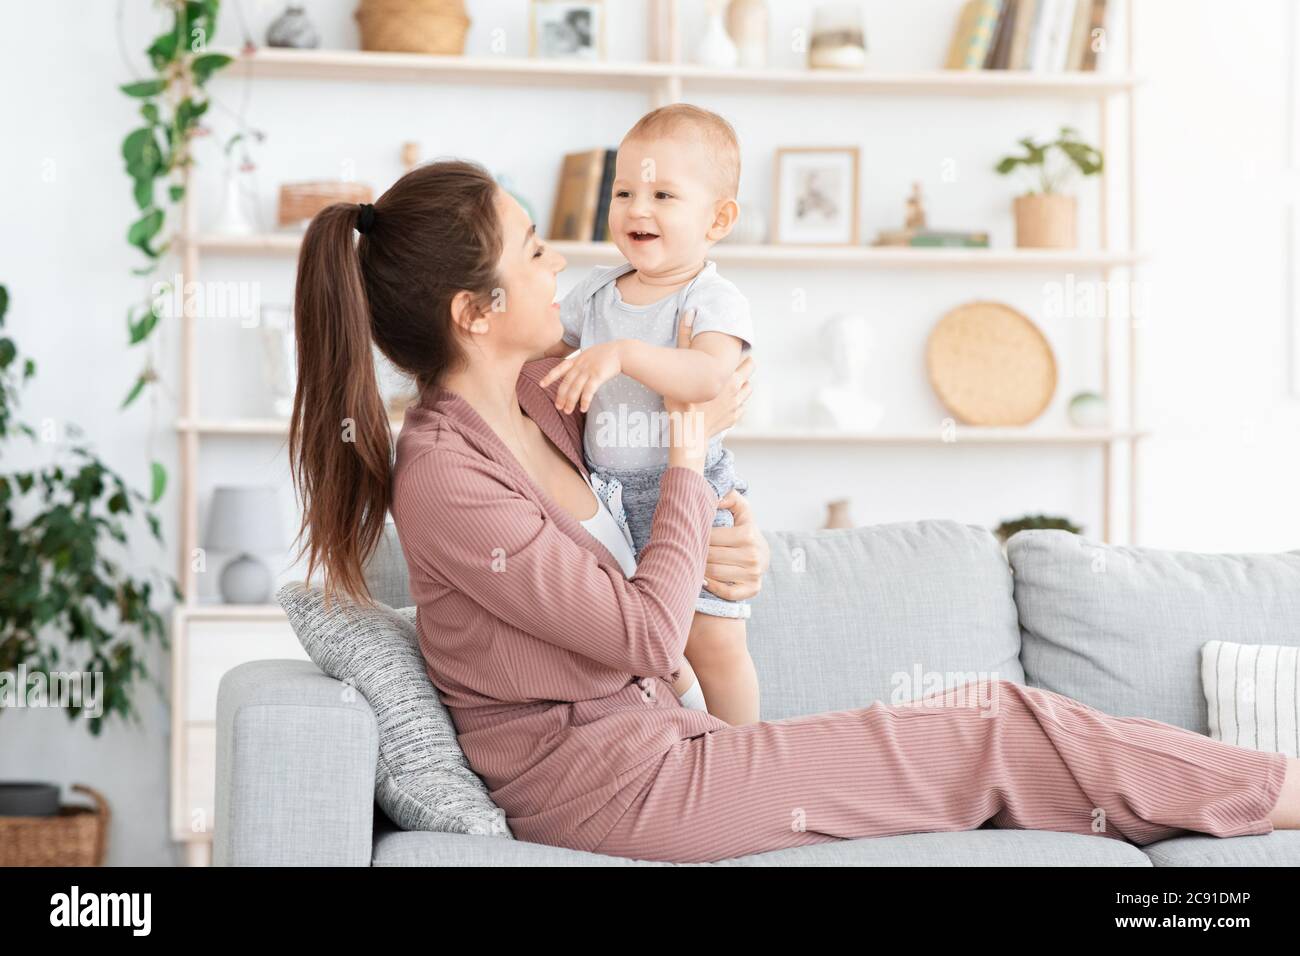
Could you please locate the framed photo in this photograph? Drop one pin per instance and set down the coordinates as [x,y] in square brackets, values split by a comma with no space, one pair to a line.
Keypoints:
[816,196]
[567,29]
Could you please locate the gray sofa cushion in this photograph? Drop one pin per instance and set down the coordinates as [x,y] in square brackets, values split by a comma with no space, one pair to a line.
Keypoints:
[422,780]
[1279,848]
[1120,628]
[982,847]
[850,616]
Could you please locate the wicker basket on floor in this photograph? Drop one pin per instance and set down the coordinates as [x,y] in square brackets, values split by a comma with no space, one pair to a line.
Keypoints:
[413,26]
[75,836]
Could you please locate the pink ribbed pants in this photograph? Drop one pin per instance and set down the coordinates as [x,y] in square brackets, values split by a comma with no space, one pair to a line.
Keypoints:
[994,753]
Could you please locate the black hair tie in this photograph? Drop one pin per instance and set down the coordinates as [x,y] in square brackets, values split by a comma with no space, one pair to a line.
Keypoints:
[366,217]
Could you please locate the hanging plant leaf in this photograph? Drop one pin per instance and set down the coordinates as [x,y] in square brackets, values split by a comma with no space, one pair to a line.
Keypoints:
[140,328]
[159,481]
[136,389]
[144,193]
[204,66]
[144,229]
[162,51]
[142,88]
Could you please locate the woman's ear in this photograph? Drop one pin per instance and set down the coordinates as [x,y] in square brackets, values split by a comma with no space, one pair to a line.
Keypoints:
[465,314]
[724,220]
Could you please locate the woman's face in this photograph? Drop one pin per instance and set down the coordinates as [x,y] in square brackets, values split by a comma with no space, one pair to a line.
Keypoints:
[525,315]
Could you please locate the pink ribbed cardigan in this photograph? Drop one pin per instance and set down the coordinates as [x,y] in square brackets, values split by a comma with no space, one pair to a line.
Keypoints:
[552,664]
[546,655]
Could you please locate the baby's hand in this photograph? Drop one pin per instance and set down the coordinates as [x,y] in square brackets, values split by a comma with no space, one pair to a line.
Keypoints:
[583,374]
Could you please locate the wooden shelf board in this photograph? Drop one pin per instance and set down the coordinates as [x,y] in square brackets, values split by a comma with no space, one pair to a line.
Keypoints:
[286,244]
[353,65]
[962,436]
[231,612]
[274,427]
[793,436]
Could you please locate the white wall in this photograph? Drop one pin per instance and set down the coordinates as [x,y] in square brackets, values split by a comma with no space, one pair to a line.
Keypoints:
[1220,473]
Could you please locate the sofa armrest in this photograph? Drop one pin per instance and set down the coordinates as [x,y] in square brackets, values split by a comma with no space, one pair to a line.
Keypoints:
[296,755]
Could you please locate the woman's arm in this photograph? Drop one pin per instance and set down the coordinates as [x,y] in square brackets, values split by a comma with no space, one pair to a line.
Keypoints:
[464,526]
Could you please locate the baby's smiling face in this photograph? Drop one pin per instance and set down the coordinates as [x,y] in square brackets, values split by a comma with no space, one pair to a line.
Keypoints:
[665,211]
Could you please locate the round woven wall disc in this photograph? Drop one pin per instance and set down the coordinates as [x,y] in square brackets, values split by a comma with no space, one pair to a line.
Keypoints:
[990,365]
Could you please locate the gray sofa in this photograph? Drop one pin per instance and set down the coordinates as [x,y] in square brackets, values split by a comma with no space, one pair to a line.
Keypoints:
[844,618]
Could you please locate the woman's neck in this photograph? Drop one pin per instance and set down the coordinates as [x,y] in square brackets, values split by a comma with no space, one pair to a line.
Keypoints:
[491,393]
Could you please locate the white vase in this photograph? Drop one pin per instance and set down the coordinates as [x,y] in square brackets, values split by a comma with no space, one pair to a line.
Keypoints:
[747,24]
[715,47]
[239,208]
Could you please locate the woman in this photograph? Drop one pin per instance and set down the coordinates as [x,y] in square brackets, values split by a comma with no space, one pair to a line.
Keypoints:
[555,666]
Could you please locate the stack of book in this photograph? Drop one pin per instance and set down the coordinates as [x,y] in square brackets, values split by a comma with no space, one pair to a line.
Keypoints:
[581,210]
[1045,36]
[932,238]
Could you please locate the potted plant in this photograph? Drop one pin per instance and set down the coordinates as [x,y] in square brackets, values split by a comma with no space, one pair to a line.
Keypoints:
[67,601]
[1046,216]
[1011,526]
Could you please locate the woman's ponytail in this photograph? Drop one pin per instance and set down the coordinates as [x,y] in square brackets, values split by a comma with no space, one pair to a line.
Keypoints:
[340,442]
[434,233]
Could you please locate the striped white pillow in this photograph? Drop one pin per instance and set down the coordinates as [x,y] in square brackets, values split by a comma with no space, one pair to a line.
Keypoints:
[1250,690]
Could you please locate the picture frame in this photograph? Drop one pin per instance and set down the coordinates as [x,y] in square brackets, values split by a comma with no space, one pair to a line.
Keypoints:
[815,195]
[567,29]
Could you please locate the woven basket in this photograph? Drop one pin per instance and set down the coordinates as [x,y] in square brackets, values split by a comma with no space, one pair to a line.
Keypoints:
[299,202]
[413,26]
[76,836]
[990,365]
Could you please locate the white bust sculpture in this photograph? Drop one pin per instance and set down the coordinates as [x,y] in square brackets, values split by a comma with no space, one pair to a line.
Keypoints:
[843,403]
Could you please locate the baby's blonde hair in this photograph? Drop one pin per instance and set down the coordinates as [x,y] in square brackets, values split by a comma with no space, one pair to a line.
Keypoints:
[716,133]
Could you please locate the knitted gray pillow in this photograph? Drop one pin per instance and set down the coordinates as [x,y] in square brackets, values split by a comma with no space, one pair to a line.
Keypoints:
[422,779]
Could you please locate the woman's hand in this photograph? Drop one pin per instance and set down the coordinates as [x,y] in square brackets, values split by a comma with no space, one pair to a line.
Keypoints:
[694,423]
[725,410]
[738,555]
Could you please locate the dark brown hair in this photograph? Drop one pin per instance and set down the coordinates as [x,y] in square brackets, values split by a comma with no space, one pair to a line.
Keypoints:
[435,233]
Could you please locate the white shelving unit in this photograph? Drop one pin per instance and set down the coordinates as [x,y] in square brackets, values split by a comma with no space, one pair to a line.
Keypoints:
[665,78]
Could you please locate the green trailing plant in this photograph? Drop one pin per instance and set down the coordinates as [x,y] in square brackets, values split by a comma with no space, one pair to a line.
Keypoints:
[158,152]
[59,582]
[1051,166]
[1029,522]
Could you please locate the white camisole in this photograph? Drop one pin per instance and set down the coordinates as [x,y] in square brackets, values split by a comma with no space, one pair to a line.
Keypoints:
[605,529]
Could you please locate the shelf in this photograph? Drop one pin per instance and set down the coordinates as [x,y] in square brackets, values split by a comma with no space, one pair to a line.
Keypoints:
[231,612]
[778,436]
[867,257]
[274,427]
[354,65]
[963,435]
[993,83]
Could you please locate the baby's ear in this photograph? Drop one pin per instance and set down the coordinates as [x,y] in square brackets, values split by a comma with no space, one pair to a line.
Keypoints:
[724,219]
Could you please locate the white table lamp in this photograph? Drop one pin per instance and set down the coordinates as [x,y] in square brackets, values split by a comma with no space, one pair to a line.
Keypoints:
[245,521]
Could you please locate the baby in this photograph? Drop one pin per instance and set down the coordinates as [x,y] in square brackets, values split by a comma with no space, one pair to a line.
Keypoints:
[674,196]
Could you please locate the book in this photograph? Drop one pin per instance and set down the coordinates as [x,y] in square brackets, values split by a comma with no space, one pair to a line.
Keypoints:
[932,238]
[1061,30]
[1096,36]
[973,36]
[1079,35]
[600,230]
[1026,16]
[1040,44]
[1000,49]
[578,195]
